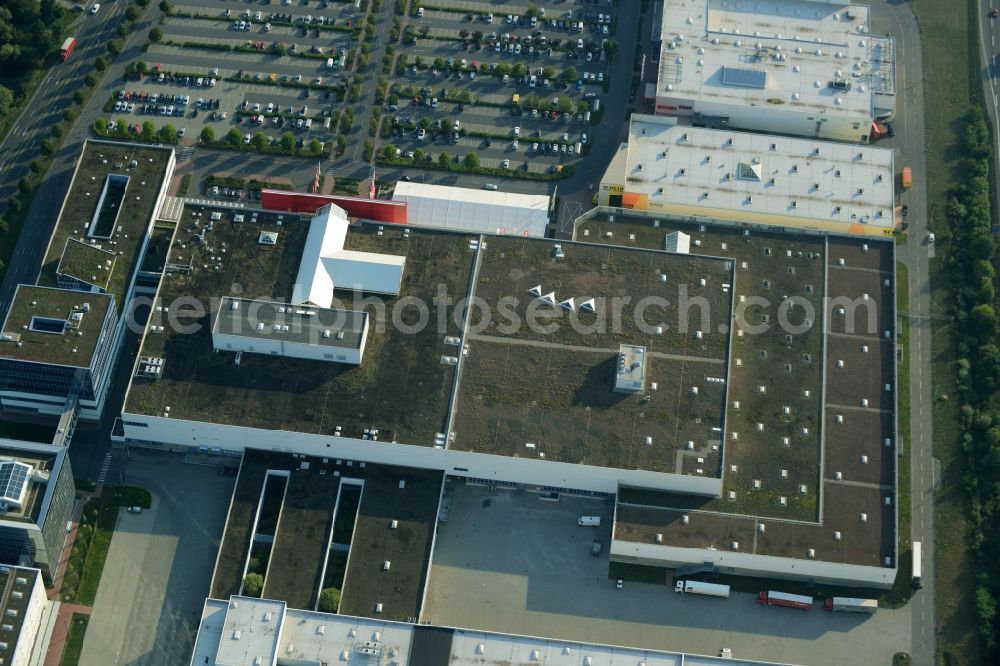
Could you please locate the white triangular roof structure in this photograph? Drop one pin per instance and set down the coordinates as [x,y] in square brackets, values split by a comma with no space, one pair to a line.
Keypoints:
[588,305]
[536,290]
[568,304]
[326,265]
[549,298]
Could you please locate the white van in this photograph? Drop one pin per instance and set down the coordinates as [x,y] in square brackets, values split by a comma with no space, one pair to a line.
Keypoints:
[589,521]
[329,63]
[309,123]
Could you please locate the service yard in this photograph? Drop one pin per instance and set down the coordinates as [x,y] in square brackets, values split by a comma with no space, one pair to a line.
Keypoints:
[515,562]
[481,88]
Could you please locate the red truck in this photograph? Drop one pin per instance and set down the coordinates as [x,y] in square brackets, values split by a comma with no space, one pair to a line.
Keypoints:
[67,47]
[772,598]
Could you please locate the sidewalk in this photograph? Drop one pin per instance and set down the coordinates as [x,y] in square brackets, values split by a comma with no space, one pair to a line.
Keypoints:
[59,631]
[83,496]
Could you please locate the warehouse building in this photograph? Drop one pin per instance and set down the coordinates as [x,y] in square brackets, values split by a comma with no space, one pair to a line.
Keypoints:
[737,177]
[798,67]
[478,211]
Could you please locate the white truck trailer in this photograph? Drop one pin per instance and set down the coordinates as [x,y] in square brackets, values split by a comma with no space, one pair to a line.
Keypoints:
[697,587]
[848,605]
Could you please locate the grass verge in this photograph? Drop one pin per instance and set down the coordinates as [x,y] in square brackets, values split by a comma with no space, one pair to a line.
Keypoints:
[950,45]
[93,539]
[74,640]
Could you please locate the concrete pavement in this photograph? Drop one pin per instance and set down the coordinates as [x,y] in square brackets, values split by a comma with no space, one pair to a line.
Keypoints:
[899,21]
[159,565]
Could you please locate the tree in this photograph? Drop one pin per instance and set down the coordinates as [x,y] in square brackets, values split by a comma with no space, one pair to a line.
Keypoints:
[90,80]
[315,147]
[207,135]
[100,125]
[570,73]
[141,68]
[121,30]
[389,151]
[369,150]
[983,321]
[168,134]
[425,123]
[4,226]
[131,13]
[582,106]
[565,104]
[471,161]
[985,607]
[532,12]
[79,97]
[253,585]
[329,600]
[444,160]
[287,142]
[610,48]
[148,130]
[259,141]
[438,63]
[419,155]
[549,72]
[47,146]
[6,99]
[114,48]
[166,7]
[155,35]
[234,138]
[70,114]
[57,130]
[100,63]
[35,167]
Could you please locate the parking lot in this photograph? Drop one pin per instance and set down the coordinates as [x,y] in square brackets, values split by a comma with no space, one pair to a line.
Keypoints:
[516,563]
[159,565]
[521,87]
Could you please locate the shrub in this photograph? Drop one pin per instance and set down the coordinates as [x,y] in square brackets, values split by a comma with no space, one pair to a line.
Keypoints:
[329,600]
[253,585]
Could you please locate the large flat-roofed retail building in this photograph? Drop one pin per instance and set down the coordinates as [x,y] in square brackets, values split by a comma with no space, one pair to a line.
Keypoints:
[797,67]
[669,169]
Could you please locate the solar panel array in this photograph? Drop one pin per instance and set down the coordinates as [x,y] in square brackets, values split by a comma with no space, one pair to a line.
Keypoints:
[13,479]
[744,77]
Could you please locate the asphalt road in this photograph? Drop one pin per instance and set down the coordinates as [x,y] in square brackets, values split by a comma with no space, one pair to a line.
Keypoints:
[53,96]
[989,44]
[908,143]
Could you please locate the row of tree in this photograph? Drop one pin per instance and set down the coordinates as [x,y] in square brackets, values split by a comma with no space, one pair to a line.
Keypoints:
[978,368]
[30,31]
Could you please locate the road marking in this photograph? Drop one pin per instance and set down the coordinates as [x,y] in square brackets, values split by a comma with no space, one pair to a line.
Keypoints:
[105,466]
